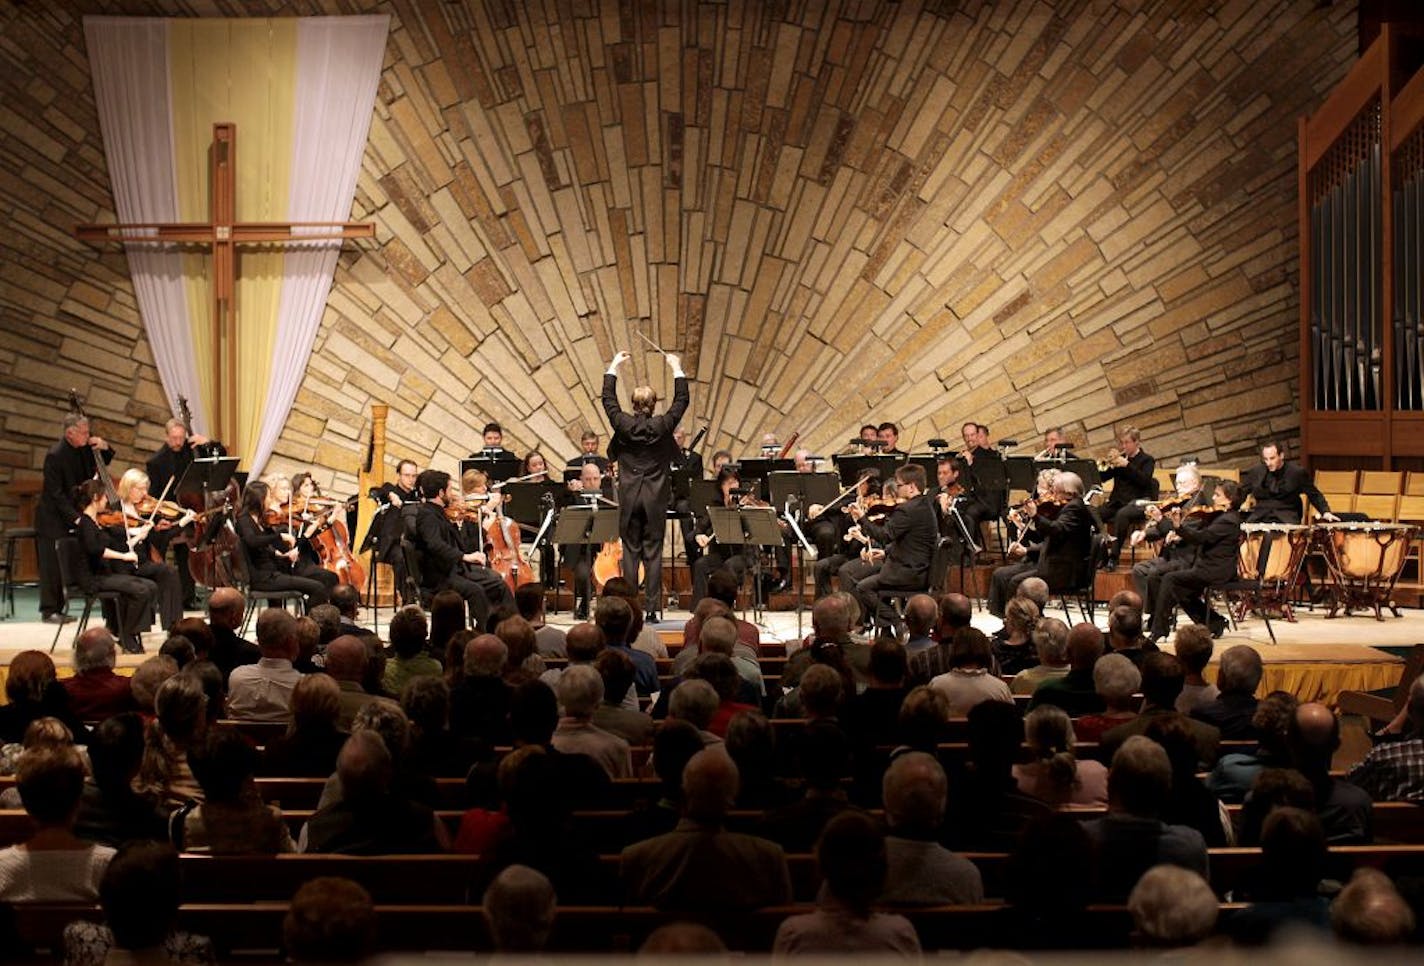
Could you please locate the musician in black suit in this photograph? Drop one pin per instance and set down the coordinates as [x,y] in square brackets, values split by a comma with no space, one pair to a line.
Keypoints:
[1147,574]
[644,449]
[889,436]
[68,463]
[387,525]
[1064,541]
[692,463]
[588,453]
[1131,472]
[493,440]
[1277,487]
[444,562]
[909,535]
[981,463]
[595,489]
[734,560]
[1214,541]
[169,464]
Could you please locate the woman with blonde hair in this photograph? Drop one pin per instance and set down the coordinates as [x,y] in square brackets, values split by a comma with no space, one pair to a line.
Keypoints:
[1055,774]
[152,547]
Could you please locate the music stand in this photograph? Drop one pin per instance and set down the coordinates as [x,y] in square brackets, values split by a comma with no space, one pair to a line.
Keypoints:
[751,527]
[1087,470]
[204,476]
[1022,472]
[587,526]
[851,467]
[759,468]
[929,462]
[701,494]
[807,488]
[497,468]
[525,503]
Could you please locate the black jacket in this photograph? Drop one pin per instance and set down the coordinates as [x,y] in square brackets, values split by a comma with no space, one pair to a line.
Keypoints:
[910,532]
[643,445]
[1216,545]
[1133,481]
[65,467]
[438,543]
[1278,494]
[1067,541]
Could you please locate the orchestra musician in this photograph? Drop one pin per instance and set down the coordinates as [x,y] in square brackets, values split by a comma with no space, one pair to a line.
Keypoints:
[595,488]
[133,494]
[889,436]
[981,502]
[534,469]
[111,565]
[1214,537]
[170,462]
[720,459]
[687,522]
[1055,445]
[828,532]
[643,446]
[1146,574]
[444,560]
[493,440]
[1065,540]
[276,563]
[1277,487]
[387,525]
[714,555]
[1131,470]
[908,535]
[588,452]
[69,462]
[869,439]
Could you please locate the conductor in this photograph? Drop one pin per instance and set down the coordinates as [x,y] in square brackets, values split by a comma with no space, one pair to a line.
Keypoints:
[643,446]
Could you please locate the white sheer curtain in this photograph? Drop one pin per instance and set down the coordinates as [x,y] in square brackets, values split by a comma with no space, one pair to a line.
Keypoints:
[128,58]
[338,69]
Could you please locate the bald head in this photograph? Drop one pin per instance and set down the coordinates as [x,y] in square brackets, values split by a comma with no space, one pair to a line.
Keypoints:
[830,619]
[585,640]
[955,611]
[346,658]
[94,649]
[1085,646]
[921,612]
[485,657]
[225,607]
[1317,730]
[709,785]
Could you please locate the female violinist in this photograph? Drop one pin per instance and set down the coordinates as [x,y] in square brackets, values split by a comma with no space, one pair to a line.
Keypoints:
[325,532]
[165,520]
[276,563]
[714,555]
[110,563]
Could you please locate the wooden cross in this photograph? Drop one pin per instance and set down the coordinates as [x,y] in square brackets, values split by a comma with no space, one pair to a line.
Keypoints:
[222,234]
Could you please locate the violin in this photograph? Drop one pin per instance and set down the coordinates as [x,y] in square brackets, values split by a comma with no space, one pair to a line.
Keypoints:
[165,510]
[118,518]
[1204,514]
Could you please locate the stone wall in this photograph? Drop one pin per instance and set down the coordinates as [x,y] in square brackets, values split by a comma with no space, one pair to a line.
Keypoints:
[1029,213]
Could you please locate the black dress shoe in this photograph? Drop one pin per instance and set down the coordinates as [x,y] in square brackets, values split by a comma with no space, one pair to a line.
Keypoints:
[57,618]
[1218,625]
[651,617]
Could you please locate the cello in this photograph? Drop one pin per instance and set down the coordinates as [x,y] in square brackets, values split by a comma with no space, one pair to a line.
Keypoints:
[505,556]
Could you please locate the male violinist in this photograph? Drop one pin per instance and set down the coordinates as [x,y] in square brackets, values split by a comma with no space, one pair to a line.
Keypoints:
[643,446]
[1215,538]
[169,463]
[1131,472]
[68,463]
[1278,486]
[909,535]
[1066,540]
[1147,574]
[444,562]
[588,452]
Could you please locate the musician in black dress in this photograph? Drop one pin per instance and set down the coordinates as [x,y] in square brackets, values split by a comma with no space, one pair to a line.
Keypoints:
[643,447]
[444,561]
[715,556]
[1277,487]
[169,464]
[274,561]
[110,565]
[1064,540]
[1214,539]
[69,462]
[908,536]
[1131,472]
[132,490]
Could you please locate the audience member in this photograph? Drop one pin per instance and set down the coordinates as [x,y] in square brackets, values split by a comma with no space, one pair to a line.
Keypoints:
[969,679]
[1161,683]
[314,738]
[1231,777]
[1050,645]
[722,587]
[751,743]
[873,715]
[139,896]
[447,622]
[921,724]
[852,855]
[955,612]
[642,636]
[1344,809]
[695,701]
[616,669]
[674,744]
[347,601]
[529,601]
[1132,837]
[408,631]
[226,610]
[1172,908]
[1054,774]
[1042,913]
[1013,647]
[920,870]
[1075,691]
[1193,645]
[1125,634]
[200,634]
[681,939]
[369,818]
[1237,676]
[263,691]
[95,691]
[232,819]
[330,920]
[148,677]
[1117,681]
[988,812]
[433,748]
[110,811]
[1369,911]
[1191,803]
[1394,771]
[53,864]
[822,759]
[719,636]
[522,662]
[1284,889]
[1273,788]
[306,640]
[718,671]
[181,718]
[614,617]
[921,613]
[701,867]
[180,649]
[580,692]
[520,905]
[34,692]
[479,704]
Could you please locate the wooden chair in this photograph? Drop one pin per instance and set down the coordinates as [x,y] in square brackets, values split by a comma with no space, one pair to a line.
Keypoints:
[1381,706]
[1380,482]
[1335,481]
[1377,506]
[1414,483]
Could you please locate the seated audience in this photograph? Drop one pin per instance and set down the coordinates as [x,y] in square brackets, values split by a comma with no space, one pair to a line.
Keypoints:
[1125,634]
[53,864]
[1172,908]
[696,702]
[369,817]
[682,939]
[433,748]
[1075,691]
[751,743]
[95,691]
[674,744]
[822,760]
[409,658]
[1132,837]
[180,649]
[313,739]
[520,905]
[1053,773]
[1013,646]
[522,662]
[110,811]
[873,715]
[1233,774]
[306,641]
[580,692]
[479,704]
[330,920]
[955,612]
[348,662]
[851,854]
[616,669]
[148,677]
[181,720]
[921,724]
[1043,914]
[970,678]
[226,610]
[988,812]
[1191,803]
[1117,681]
[1369,911]
[1050,645]
[920,870]
[1394,771]
[1345,811]
[693,868]
[1161,683]
[921,613]
[33,691]
[1193,646]
[718,671]
[1284,889]
[529,601]
[1238,676]
[232,819]
[263,691]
